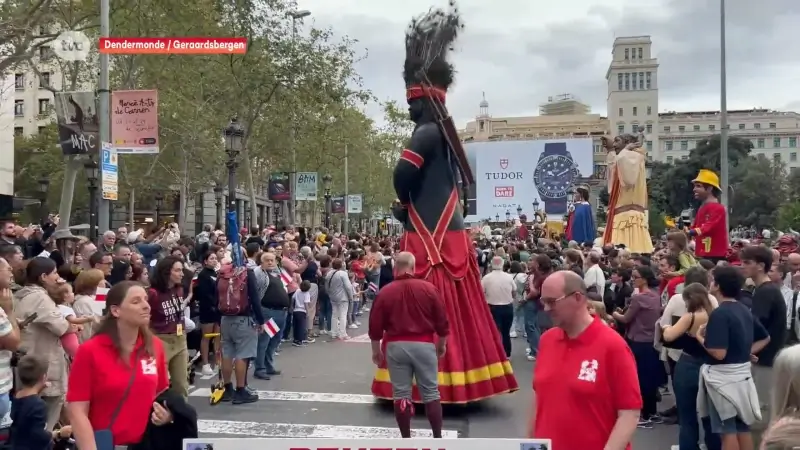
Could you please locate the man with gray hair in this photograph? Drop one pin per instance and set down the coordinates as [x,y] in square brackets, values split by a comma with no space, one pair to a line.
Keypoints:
[499,288]
[409,317]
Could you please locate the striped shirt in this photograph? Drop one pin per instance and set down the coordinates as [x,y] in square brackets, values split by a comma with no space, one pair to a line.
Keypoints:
[6,375]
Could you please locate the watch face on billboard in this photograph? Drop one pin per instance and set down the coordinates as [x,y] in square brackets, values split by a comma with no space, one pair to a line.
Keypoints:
[554,175]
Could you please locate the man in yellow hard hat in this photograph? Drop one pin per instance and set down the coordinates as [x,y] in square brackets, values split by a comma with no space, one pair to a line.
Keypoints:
[710,226]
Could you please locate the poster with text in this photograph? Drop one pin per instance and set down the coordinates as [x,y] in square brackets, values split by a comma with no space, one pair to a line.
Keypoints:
[78,124]
[134,122]
[355,204]
[337,205]
[306,186]
[513,174]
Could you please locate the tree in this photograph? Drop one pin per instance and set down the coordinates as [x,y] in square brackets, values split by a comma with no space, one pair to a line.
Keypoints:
[789,216]
[757,192]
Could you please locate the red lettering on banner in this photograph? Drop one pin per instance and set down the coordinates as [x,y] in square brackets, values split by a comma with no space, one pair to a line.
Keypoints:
[504,191]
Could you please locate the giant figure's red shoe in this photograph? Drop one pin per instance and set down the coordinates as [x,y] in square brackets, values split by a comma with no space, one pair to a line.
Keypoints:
[475,366]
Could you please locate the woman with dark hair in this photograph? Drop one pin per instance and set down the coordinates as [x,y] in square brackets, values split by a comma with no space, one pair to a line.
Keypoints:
[120,271]
[541,266]
[43,336]
[640,317]
[205,294]
[166,300]
[118,376]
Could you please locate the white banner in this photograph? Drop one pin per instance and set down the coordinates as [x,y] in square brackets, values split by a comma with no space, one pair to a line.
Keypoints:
[420,441]
[305,186]
[109,172]
[355,204]
[514,174]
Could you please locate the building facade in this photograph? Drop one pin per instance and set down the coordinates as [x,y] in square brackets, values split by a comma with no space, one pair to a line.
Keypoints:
[7,123]
[564,105]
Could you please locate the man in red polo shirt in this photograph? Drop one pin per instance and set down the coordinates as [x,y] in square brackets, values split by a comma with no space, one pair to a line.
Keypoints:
[585,377]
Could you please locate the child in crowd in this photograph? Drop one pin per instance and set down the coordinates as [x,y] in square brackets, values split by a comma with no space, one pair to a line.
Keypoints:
[28,410]
[598,309]
[301,300]
[63,296]
[677,244]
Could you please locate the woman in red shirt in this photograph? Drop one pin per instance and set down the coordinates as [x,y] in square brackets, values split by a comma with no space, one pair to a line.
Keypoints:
[118,373]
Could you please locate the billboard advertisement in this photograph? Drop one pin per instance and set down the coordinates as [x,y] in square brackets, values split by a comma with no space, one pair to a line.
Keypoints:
[512,174]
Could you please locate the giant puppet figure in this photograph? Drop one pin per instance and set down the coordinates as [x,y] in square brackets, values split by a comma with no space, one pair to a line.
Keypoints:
[426,180]
[627,188]
[580,224]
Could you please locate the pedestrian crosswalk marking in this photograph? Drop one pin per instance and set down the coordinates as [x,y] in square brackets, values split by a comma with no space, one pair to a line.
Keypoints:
[320,397]
[360,339]
[295,430]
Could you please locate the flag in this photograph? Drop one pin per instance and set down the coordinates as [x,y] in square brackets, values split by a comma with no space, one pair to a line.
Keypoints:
[194,280]
[271,328]
[286,278]
[101,295]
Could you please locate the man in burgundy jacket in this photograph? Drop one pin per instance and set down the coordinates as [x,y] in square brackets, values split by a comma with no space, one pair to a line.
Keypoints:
[409,317]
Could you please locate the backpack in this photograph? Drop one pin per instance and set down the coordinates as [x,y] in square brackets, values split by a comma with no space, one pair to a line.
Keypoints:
[232,291]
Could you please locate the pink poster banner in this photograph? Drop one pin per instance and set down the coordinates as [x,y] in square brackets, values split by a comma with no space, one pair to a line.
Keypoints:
[134,122]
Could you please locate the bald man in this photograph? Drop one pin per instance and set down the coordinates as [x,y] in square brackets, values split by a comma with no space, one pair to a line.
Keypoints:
[585,373]
[794,267]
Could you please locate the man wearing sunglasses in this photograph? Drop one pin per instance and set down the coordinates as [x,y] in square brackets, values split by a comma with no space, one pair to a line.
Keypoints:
[585,373]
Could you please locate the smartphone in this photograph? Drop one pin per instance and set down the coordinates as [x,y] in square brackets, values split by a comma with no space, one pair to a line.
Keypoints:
[28,320]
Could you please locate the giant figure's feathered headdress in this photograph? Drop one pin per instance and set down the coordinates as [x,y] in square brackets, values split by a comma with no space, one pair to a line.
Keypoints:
[429,38]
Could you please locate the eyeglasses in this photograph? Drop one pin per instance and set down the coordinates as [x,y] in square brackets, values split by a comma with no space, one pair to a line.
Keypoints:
[552,301]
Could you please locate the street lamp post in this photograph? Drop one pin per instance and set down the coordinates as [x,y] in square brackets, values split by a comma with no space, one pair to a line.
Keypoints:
[535,206]
[218,203]
[497,217]
[159,203]
[234,135]
[276,214]
[92,174]
[508,215]
[326,182]
[519,210]
[44,187]
[295,16]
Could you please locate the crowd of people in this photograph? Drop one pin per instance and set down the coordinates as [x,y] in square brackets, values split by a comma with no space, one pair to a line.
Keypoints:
[78,315]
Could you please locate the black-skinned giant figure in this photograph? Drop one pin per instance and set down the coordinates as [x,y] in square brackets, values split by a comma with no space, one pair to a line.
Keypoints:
[427,179]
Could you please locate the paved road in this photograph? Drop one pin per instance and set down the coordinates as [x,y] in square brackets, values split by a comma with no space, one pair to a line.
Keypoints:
[324,391]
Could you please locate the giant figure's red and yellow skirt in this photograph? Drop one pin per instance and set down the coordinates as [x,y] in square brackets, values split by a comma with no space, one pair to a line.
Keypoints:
[475,366]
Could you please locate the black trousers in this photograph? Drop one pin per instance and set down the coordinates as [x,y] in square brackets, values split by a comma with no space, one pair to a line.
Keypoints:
[503,316]
[300,327]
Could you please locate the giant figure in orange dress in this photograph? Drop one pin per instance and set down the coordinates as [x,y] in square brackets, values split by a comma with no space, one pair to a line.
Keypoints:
[427,179]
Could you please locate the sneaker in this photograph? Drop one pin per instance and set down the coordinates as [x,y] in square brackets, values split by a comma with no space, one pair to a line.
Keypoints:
[664,390]
[323,332]
[244,396]
[531,358]
[644,424]
[273,372]
[513,334]
[286,340]
[528,351]
[656,419]
[366,309]
[207,370]
[261,375]
[358,324]
[344,338]
[309,341]
[353,326]
[228,394]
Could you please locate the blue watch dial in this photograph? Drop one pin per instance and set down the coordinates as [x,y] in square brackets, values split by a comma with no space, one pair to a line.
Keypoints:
[554,175]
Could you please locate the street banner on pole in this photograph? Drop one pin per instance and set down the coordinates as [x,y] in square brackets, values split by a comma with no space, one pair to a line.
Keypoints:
[278,188]
[134,122]
[337,205]
[354,204]
[78,124]
[306,186]
[110,181]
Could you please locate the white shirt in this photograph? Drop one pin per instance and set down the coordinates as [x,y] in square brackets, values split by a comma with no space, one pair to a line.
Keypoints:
[594,277]
[66,311]
[499,288]
[788,296]
[301,299]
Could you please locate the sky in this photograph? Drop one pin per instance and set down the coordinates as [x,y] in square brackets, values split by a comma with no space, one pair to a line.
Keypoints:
[519,52]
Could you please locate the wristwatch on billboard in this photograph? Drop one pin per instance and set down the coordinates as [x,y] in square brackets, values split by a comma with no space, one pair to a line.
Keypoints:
[555,172]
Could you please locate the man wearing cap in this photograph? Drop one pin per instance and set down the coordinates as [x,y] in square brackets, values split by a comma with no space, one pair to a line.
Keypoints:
[710,227]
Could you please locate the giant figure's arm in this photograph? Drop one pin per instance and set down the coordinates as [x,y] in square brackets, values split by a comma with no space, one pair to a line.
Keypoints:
[424,142]
[629,164]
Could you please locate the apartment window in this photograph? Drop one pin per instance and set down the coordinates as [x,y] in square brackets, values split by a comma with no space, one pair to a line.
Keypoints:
[621,129]
[44,106]
[44,80]
[684,145]
[633,85]
[45,52]
[666,129]
[649,110]
[684,157]
[669,159]
[627,82]
[669,145]
[649,128]
[619,81]
[19,81]
[41,129]
[19,108]
[635,110]
[776,142]
[627,54]
[712,127]
[641,80]
[757,126]
[696,128]
[681,128]
[793,157]
[620,112]
[640,53]
[793,142]
[776,157]
[649,146]
[760,143]
[649,74]
[741,126]
[773,125]
[19,131]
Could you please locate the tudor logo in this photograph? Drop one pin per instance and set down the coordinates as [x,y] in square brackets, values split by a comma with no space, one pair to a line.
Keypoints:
[504,164]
